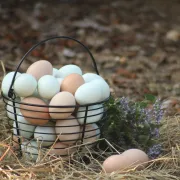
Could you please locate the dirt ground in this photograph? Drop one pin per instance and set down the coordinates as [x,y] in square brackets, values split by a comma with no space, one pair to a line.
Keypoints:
[135,42]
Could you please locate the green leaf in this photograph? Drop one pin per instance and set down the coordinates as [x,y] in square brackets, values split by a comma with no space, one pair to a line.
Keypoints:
[142,104]
[150,97]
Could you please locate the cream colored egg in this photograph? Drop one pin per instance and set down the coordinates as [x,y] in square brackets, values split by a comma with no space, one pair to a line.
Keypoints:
[91,133]
[68,130]
[33,112]
[62,99]
[132,158]
[71,83]
[40,68]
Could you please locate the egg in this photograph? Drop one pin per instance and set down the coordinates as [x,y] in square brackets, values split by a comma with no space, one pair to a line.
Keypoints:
[62,99]
[26,130]
[48,86]
[63,150]
[68,131]
[6,83]
[105,90]
[30,150]
[25,85]
[90,76]
[56,73]
[88,93]
[60,81]
[46,136]
[71,83]
[69,69]
[40,68]
[94,114]
[36,115]
[10,108]
[132,158]
[91,133]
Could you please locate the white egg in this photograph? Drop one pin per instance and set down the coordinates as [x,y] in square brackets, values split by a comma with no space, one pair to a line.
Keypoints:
[10,108]
[6,83]
[25,128]
[105,90]
[30,150]
[60,81]
[45,135]
[56,73]
[94,114]
[69,69]
[90,76]
[48,86]
[25,85]
[88,93]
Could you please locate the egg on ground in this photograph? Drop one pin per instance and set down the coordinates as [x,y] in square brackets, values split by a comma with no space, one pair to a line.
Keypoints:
[62,99]
[40,68]
[34,113]
[68,131]
[129,159]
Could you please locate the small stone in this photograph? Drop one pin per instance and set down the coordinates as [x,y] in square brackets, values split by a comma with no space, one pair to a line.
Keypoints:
[173,35]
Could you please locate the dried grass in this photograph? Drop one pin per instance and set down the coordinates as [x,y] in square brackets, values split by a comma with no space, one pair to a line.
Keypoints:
[166,167]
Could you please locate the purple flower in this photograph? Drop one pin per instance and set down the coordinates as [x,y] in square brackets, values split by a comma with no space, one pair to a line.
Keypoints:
[154,151]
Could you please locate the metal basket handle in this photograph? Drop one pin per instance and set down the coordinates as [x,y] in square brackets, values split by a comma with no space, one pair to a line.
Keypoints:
[10,93]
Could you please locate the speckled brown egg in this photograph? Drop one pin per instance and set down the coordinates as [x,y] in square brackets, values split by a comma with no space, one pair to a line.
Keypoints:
[40,68]
[62,99]
[72,82]
[36,115]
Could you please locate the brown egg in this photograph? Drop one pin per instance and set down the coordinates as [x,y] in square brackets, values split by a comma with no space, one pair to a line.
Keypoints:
[72,82]
[68,130]
[40,68]
[132,158]
[31,112]
[63,150]
[62,99]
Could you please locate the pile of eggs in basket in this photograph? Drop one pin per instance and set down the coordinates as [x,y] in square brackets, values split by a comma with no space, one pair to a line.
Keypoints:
[45,87]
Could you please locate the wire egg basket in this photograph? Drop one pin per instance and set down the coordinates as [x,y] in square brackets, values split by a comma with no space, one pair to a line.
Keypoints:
[23,136]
